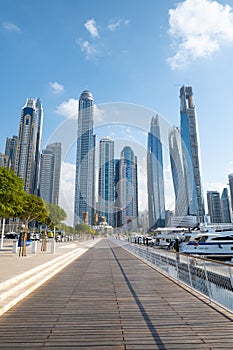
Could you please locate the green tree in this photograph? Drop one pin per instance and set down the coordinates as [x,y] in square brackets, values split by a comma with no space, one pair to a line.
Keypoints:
[55,214]
[33,209]
[83,228]
[11,194]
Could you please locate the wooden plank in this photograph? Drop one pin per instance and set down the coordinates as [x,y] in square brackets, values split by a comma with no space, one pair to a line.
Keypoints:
[108,299]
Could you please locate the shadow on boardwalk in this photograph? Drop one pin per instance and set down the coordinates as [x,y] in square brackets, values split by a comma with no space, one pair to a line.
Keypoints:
[108,299]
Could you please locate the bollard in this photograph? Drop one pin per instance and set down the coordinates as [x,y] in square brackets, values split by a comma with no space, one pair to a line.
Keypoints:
[34,247]
[15,247]
[52,246]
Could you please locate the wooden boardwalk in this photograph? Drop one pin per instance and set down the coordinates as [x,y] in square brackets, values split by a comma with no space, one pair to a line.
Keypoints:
[108,299]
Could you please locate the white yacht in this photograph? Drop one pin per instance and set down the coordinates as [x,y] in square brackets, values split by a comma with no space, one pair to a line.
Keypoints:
[208,240]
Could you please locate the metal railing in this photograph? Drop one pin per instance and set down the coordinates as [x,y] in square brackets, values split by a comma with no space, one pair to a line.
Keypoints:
[212,279]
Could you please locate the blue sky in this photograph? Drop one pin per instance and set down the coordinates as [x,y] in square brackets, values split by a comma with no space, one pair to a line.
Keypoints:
[132,51]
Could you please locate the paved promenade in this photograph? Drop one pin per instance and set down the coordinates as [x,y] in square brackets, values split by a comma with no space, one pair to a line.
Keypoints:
[12,265]
[109,299]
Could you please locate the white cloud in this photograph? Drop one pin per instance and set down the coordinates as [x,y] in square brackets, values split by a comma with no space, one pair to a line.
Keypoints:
[198,28]
[213,186]
[88,49]
[98,114]
[67,189]
[10,27]
[68,109]
[56,88]
[115,23]
[230,168]
[91,27]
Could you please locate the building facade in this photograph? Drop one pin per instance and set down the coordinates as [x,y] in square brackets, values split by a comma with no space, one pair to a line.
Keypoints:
[190,152]
[50,172]
[106,189]
[155,179]
[225,205]
[27,159]
[84,205]
[11,148]
[230,179]
[4,161]
[128,189]
[178,173]
[214,207]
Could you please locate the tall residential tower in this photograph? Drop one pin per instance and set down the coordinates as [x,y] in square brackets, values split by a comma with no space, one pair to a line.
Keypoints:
[190,153]
[127,189]
[84,205]
[106,180]
[225,204]
[214,206]
[178,173]
[155,181]
[10,150]
[27,158]
[50,173]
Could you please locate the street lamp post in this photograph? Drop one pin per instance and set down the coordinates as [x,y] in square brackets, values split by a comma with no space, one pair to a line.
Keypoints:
[3,229]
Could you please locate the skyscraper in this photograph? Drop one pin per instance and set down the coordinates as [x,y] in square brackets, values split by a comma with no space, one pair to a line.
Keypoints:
[214,206]
[178,173]
[118,216]
[46,175]
[4,161]
[40,119]
[191,153]
[50,172]
[225,204]
[230,178]
[128,189]
[155,180]
[27,160]
[11,148]
[85,161]
[106,180]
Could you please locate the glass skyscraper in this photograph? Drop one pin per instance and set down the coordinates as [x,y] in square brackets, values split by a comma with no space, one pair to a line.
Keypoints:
[10,150]
[214,206]
[178,173]
[190,153]
[106,180]
[127,189]
[84,205]
[230,178]
[155,180]
[27,159]
[225,204]
[50,172]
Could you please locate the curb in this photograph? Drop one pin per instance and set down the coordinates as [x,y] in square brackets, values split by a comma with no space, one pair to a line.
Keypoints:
[39,275]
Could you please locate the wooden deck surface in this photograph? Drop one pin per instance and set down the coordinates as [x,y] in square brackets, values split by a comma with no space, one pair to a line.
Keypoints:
[108,299]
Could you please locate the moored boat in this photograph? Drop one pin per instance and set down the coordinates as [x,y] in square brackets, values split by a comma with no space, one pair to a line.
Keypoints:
[208,241]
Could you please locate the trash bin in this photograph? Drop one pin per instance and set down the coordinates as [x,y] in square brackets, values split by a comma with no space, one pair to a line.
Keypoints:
[34,247]
[15,247]
[52,246]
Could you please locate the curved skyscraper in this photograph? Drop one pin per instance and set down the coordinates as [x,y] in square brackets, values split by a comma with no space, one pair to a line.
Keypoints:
[84,205]
[155,181]
[178,173]
[191,153]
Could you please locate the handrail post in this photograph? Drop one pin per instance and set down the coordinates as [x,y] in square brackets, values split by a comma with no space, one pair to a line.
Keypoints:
[230,274]
[190,275]
[207,282]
